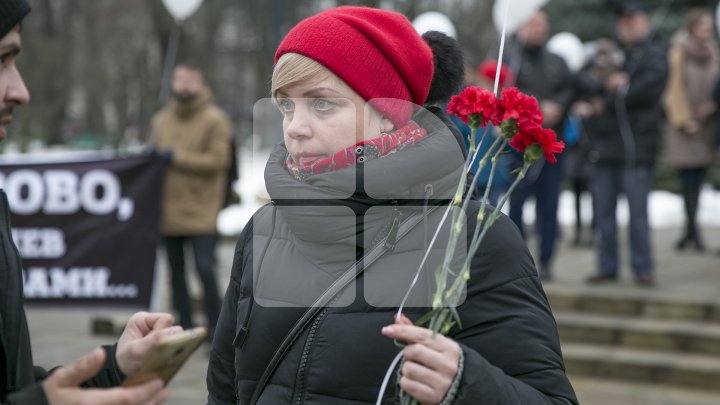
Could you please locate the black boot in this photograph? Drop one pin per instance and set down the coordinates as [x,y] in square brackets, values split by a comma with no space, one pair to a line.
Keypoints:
[691,237]
[692,202]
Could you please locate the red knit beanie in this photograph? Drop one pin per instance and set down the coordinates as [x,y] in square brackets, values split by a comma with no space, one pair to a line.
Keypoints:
[376,52]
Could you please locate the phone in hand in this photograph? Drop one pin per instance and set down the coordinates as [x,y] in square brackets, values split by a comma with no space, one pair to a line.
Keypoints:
[166,358]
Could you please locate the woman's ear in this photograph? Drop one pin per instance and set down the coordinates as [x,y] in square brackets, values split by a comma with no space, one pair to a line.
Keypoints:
[386,125]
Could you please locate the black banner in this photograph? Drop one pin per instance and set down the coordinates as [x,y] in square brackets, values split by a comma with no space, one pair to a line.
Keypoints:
[87,231]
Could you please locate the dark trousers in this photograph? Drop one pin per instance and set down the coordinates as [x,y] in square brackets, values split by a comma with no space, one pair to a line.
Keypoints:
[542,182]
[608,182]
[204,252]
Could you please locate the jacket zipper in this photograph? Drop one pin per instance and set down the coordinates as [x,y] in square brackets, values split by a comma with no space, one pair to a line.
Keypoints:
[300,381]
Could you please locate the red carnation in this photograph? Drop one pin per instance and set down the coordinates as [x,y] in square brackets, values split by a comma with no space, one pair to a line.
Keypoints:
[547,139]
[522,108]
[544,138]
[475,103]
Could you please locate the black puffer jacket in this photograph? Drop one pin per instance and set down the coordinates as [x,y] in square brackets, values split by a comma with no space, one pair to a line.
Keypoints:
[628,133]
[18,376]
[291,251]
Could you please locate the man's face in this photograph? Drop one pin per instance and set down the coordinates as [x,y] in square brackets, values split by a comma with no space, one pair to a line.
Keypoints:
[186,83]
[536,30]
[12,88]
[633,28]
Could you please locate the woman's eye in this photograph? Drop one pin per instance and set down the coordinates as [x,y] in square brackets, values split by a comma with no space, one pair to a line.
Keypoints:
[323,105]
[285,106]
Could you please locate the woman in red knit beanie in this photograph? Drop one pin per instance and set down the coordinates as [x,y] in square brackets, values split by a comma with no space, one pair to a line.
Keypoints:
[358,187]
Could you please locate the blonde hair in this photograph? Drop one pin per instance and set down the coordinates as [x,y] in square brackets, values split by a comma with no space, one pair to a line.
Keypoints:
[294,68]
[694,17]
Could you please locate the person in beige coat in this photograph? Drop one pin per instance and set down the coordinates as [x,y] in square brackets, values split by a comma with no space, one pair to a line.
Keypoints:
[690,135]
[193,135]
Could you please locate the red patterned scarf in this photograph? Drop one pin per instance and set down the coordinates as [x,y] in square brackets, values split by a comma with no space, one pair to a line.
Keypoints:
[361,152]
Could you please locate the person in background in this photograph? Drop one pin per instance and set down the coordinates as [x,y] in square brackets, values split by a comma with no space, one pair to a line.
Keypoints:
[589,123]
[545,76]
[624,152]
[192,135]
[21,383]
[690,110]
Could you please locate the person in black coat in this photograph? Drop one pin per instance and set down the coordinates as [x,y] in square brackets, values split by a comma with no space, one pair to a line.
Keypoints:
[625,145]
[21,383]
[358,186]
[545,76]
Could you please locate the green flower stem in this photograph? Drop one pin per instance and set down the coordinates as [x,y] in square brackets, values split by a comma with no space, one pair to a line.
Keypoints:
[442,316]
[449,297]
[496,213]
[457,220]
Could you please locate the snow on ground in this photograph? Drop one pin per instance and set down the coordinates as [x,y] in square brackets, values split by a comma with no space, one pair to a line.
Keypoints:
[666,209]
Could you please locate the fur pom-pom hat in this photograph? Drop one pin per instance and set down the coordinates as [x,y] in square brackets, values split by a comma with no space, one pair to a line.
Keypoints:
[449,66]
[376,52]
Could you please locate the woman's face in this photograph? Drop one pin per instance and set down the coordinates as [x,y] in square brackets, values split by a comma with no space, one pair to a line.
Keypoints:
[323,116]
[703,30]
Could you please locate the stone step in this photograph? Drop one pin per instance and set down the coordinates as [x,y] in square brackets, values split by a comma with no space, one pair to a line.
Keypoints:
[647,366]
[673,336]
[633,302]
[597,391]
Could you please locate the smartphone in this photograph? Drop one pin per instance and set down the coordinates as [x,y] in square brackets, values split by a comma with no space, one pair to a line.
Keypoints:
[165,359]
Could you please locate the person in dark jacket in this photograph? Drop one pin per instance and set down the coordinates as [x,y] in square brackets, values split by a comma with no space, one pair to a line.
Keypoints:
[20,382]
[626,144]
[361,180]
[545,76]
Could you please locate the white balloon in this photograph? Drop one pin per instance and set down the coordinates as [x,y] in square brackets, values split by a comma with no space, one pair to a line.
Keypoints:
[182,9]
[434,21]
[569,47]
[520,12]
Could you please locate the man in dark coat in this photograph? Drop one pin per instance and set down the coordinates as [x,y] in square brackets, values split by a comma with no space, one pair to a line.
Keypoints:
[626,143]
[20,381]
[545,76]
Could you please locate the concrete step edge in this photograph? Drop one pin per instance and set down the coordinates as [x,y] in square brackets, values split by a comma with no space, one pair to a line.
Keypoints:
[682,370]
[640,306]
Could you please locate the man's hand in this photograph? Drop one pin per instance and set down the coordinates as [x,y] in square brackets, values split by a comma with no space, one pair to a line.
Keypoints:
[706,110]
[552,112]
[616,80]
[691,128]
[582,109]
[143,331]
[62,386]
[431,361]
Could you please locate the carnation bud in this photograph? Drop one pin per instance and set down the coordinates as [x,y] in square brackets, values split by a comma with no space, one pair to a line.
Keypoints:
[509,128]
[533,153]
[475,121]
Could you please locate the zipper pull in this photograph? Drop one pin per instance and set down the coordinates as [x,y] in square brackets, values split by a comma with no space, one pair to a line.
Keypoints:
[391,240]
[240,336]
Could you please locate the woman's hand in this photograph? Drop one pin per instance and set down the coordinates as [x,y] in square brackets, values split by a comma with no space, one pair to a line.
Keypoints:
[431,361]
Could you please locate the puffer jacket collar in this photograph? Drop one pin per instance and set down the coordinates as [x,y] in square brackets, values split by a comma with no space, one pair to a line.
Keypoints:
[429,169]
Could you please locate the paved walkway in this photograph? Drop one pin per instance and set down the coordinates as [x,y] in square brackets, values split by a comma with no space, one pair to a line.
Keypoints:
[60,336]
